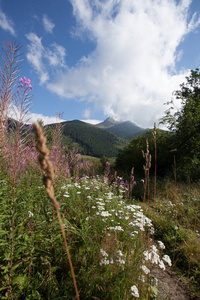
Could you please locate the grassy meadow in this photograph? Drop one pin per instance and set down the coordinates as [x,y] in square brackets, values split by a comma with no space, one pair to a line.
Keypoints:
[71,228]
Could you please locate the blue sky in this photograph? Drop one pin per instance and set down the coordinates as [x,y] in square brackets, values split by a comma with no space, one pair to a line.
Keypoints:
[90,59]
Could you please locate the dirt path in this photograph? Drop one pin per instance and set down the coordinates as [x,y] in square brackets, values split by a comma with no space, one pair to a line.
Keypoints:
[170,286]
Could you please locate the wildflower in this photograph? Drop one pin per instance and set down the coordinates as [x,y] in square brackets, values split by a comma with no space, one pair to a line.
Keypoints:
[105,214]
[30,214]
[161,245]
[145,269]
[116,228]
[167,259]
[161,265]
[103,252]
[25,82]
[134,291]
[66,195]
[107,163]
[104,261]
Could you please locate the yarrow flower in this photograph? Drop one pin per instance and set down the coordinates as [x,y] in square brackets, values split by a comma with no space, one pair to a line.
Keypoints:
[161,245]
[145,269]
[30,214]
[134,291]
[167,259]
[103,252]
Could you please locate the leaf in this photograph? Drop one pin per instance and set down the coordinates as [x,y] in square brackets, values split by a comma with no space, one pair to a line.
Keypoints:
[19,279]
[154,290]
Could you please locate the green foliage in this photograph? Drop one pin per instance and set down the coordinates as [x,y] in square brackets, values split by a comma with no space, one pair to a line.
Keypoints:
[92,140]
[96,218]
[185,123]
[131,156]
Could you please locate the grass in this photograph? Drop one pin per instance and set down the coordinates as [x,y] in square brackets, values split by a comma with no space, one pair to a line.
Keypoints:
[95,217]
[109,238]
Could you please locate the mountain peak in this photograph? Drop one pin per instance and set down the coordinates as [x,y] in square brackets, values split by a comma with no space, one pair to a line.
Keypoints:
[109,122]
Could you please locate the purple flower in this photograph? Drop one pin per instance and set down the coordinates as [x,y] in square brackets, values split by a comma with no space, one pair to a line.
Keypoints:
[122,183]
[25,82]
[107,163]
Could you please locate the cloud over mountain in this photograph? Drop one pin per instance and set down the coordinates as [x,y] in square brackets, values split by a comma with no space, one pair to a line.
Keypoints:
[132,70]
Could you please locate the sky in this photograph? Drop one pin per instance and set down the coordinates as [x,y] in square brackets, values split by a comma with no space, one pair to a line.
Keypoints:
[91,59]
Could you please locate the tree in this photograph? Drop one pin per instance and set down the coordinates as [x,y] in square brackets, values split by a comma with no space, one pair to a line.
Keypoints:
[185,123]
[131,156]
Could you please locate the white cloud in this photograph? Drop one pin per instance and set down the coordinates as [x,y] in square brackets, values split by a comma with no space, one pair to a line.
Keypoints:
[132,71]
[6,23]
[92,121]
[44,59]
[48,25]
[33,117]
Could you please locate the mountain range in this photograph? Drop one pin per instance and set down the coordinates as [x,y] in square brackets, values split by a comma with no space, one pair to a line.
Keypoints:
[103,139]
[124,129]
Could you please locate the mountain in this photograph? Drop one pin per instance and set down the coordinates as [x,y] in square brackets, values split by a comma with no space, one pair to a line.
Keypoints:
[108,123]
[104,139]
[124,129]
[91,140]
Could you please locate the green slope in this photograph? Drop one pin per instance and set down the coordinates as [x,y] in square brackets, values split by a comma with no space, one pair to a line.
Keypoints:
[92,140]
[124,129]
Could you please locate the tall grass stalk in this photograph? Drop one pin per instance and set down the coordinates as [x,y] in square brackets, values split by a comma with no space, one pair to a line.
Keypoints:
[155,146]
[147,166]
[9,69]
[22,103]
[48,178]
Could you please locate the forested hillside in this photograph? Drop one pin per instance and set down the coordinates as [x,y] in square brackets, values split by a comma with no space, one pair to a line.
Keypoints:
[92,140]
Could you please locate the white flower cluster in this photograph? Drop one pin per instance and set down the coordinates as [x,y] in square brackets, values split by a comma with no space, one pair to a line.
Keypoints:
[30,214]
[153,257]
[118,258]
[161,245]
[134,291]
[140,220]
[116,228]
[145,269]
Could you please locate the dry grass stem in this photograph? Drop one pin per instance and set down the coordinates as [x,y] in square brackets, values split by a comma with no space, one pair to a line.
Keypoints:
[48,178]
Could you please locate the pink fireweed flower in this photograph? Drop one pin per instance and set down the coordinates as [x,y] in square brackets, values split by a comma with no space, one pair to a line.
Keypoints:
[25,83]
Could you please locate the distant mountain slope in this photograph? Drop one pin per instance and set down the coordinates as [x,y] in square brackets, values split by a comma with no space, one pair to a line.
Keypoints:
[108,123]
[104,139]
[93,140]
[124,129]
